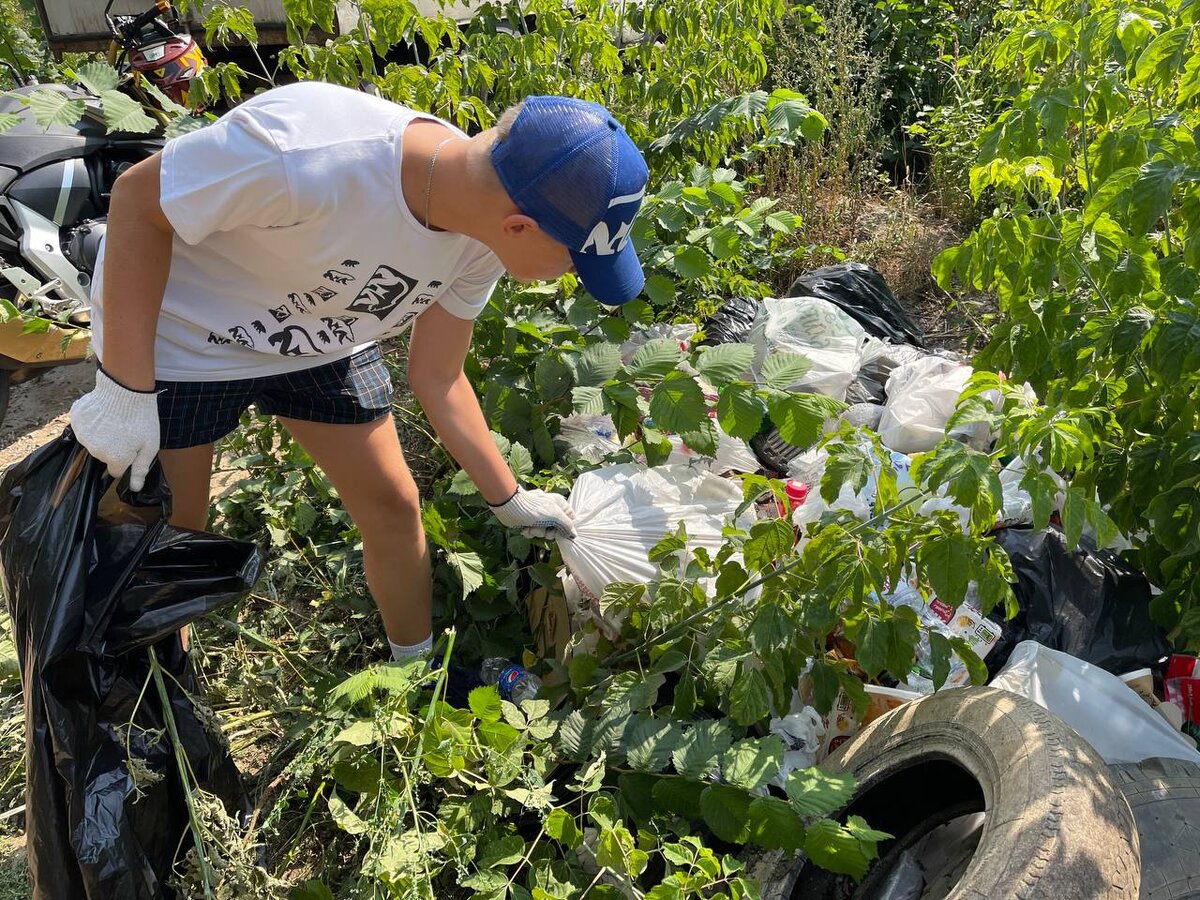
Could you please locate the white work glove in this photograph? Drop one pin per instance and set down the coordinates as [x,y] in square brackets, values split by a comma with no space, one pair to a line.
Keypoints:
[537,514]
[119,427]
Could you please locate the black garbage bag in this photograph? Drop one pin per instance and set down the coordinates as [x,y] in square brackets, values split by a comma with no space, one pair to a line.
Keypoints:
[94,576]
[731,323]
[1085,602]
[861,291]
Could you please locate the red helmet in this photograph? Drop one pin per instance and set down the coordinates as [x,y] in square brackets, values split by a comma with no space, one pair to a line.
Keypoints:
[170,64]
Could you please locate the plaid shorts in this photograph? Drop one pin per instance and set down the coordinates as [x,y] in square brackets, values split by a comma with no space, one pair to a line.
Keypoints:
[347,391]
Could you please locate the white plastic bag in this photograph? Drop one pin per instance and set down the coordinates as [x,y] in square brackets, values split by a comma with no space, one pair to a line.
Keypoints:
[622,511]
[921,396]
[733,455]
[817,329]
[809,467]
[1106,713]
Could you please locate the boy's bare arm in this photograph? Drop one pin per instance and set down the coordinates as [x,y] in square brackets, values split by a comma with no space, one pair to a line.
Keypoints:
[437,350]
[137,260]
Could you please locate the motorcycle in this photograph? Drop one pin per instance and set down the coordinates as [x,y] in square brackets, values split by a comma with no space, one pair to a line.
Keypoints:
[55,187]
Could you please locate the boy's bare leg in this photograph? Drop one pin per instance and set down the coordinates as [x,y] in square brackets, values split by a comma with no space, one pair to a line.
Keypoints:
[366,465]
[189,473]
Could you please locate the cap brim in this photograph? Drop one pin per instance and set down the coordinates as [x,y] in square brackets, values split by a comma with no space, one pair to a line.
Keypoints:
[612,279]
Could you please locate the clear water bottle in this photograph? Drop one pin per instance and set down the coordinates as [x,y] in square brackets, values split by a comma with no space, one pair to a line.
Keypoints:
[514,683]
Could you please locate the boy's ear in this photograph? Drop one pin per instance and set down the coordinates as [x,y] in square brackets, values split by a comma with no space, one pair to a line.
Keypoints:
[517,223]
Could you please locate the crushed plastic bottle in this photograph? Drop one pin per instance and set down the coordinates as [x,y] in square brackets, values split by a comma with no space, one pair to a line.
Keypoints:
[514,683]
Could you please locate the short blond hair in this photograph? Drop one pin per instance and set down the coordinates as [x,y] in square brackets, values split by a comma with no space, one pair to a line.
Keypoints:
[504,124]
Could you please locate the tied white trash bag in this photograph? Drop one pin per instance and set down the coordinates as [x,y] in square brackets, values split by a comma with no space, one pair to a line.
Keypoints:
[622,511]
[733,455]
[1105,711]
[921,397]
[818,330]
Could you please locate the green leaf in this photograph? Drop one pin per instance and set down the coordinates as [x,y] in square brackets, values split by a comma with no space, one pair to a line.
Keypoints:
[657,357]
[680,795]
[503,852]
[740,410]
[947,560]
[701,748]
[814,792]
[801,418]
[887,644]
[725,362]
[976,667]
[750,700]
[752,763]
[124,114]
[770,540]
[677,403]
[703,440]
[588,401]
[50,107]
[968,477]
[9,120]
[772,630]
[939,651]
[650,742]
[561,826]
[833,847]
[310,890]
[670,544]
[485,703]
[850,462]
[97,77]
[775,825]
[726,811]
[469,567]
[692,262]
[551,376]
[359,734]
[597,364]
[660,289]
[344,816]
[783,370]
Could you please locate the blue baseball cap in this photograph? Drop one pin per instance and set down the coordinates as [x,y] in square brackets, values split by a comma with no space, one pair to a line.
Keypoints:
[570,166]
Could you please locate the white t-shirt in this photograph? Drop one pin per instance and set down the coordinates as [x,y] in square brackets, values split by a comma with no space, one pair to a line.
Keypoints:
[293,244]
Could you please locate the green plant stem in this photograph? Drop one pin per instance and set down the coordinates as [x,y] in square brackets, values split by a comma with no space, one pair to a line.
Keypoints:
[185,773]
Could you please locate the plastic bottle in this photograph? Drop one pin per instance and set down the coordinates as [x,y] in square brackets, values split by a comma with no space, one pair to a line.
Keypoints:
[797,493]
[514,683]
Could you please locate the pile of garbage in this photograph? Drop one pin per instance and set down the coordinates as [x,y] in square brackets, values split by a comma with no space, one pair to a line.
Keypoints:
[1082,644]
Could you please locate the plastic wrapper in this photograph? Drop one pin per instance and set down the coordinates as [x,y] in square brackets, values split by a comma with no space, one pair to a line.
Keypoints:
[589,437]
[864,294]
[801,733]
[816,329]
[731,323]
[1088,603]
[1099,706]
[967,622]
[921,398]
[622,511]
[1182,686]
[683,334]
[93,576]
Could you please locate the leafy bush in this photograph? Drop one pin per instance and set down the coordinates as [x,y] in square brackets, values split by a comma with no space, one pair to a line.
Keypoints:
[1089,161]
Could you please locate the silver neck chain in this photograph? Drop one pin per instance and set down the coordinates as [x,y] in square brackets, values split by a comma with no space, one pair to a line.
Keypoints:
[429,181]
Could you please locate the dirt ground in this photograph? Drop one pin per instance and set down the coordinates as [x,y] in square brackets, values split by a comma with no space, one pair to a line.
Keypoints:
[37,410]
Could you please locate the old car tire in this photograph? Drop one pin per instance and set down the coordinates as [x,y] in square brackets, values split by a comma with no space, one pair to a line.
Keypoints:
[1057,826]
[1164,795]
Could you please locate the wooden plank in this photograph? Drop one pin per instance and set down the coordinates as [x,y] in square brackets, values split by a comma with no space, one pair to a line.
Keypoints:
[34,349]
